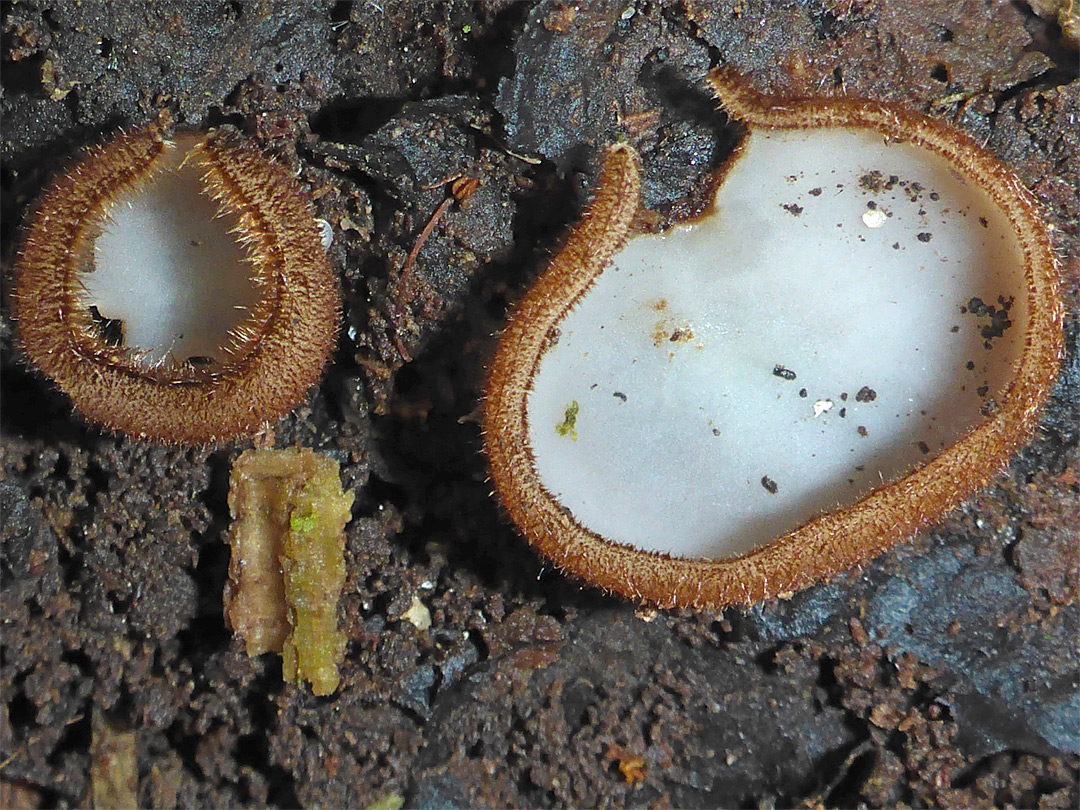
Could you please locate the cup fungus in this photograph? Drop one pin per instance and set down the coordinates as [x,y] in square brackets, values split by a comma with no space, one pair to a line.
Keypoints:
[853,338]
[176,288]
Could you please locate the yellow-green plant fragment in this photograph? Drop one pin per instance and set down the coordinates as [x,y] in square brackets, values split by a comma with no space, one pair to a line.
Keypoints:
[113,770]
[388,801]
[288,568]
[255,592]
[314,569]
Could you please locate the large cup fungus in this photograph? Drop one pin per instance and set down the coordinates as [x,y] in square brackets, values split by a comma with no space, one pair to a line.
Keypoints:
[176,288]
[854,337]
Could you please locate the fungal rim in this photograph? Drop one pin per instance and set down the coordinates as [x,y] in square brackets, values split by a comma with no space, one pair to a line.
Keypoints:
[272,357]
[829,543]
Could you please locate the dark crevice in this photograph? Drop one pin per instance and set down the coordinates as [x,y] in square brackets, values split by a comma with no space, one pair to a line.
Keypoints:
[22,77]
[340,11]
[349,121]
[21,711]
[766,660]
[828,682]
[1047,38]
[76,737]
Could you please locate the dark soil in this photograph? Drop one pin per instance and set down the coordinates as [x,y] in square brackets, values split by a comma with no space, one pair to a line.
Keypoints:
[944,673]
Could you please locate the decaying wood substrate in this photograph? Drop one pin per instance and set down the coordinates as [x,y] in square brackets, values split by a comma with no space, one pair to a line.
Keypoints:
[287,568]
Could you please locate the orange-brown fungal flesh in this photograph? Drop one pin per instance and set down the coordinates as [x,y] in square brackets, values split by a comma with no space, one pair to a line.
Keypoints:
[270,360]
[827,544]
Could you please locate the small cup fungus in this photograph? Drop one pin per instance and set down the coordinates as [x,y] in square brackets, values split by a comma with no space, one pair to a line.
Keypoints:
[176,288]
[855,337]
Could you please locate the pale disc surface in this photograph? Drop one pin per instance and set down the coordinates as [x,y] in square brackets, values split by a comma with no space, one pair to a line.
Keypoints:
[670,357]
[166,265]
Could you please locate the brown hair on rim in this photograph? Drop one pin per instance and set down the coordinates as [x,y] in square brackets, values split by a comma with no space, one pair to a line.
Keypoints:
[277,353]
[828,544]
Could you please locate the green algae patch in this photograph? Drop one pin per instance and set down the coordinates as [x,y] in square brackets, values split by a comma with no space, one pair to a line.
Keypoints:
[287,568]
[568,426]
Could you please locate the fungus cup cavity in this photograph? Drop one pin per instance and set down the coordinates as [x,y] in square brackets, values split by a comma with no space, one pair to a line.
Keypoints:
[855,337]
[176,288]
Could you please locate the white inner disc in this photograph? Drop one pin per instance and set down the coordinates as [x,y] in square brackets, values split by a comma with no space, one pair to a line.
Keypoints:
[167,267]
[664,418]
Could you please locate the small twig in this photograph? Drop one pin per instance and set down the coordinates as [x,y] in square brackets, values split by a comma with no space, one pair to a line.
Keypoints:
[461,188]
[400,346]
[410,260]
